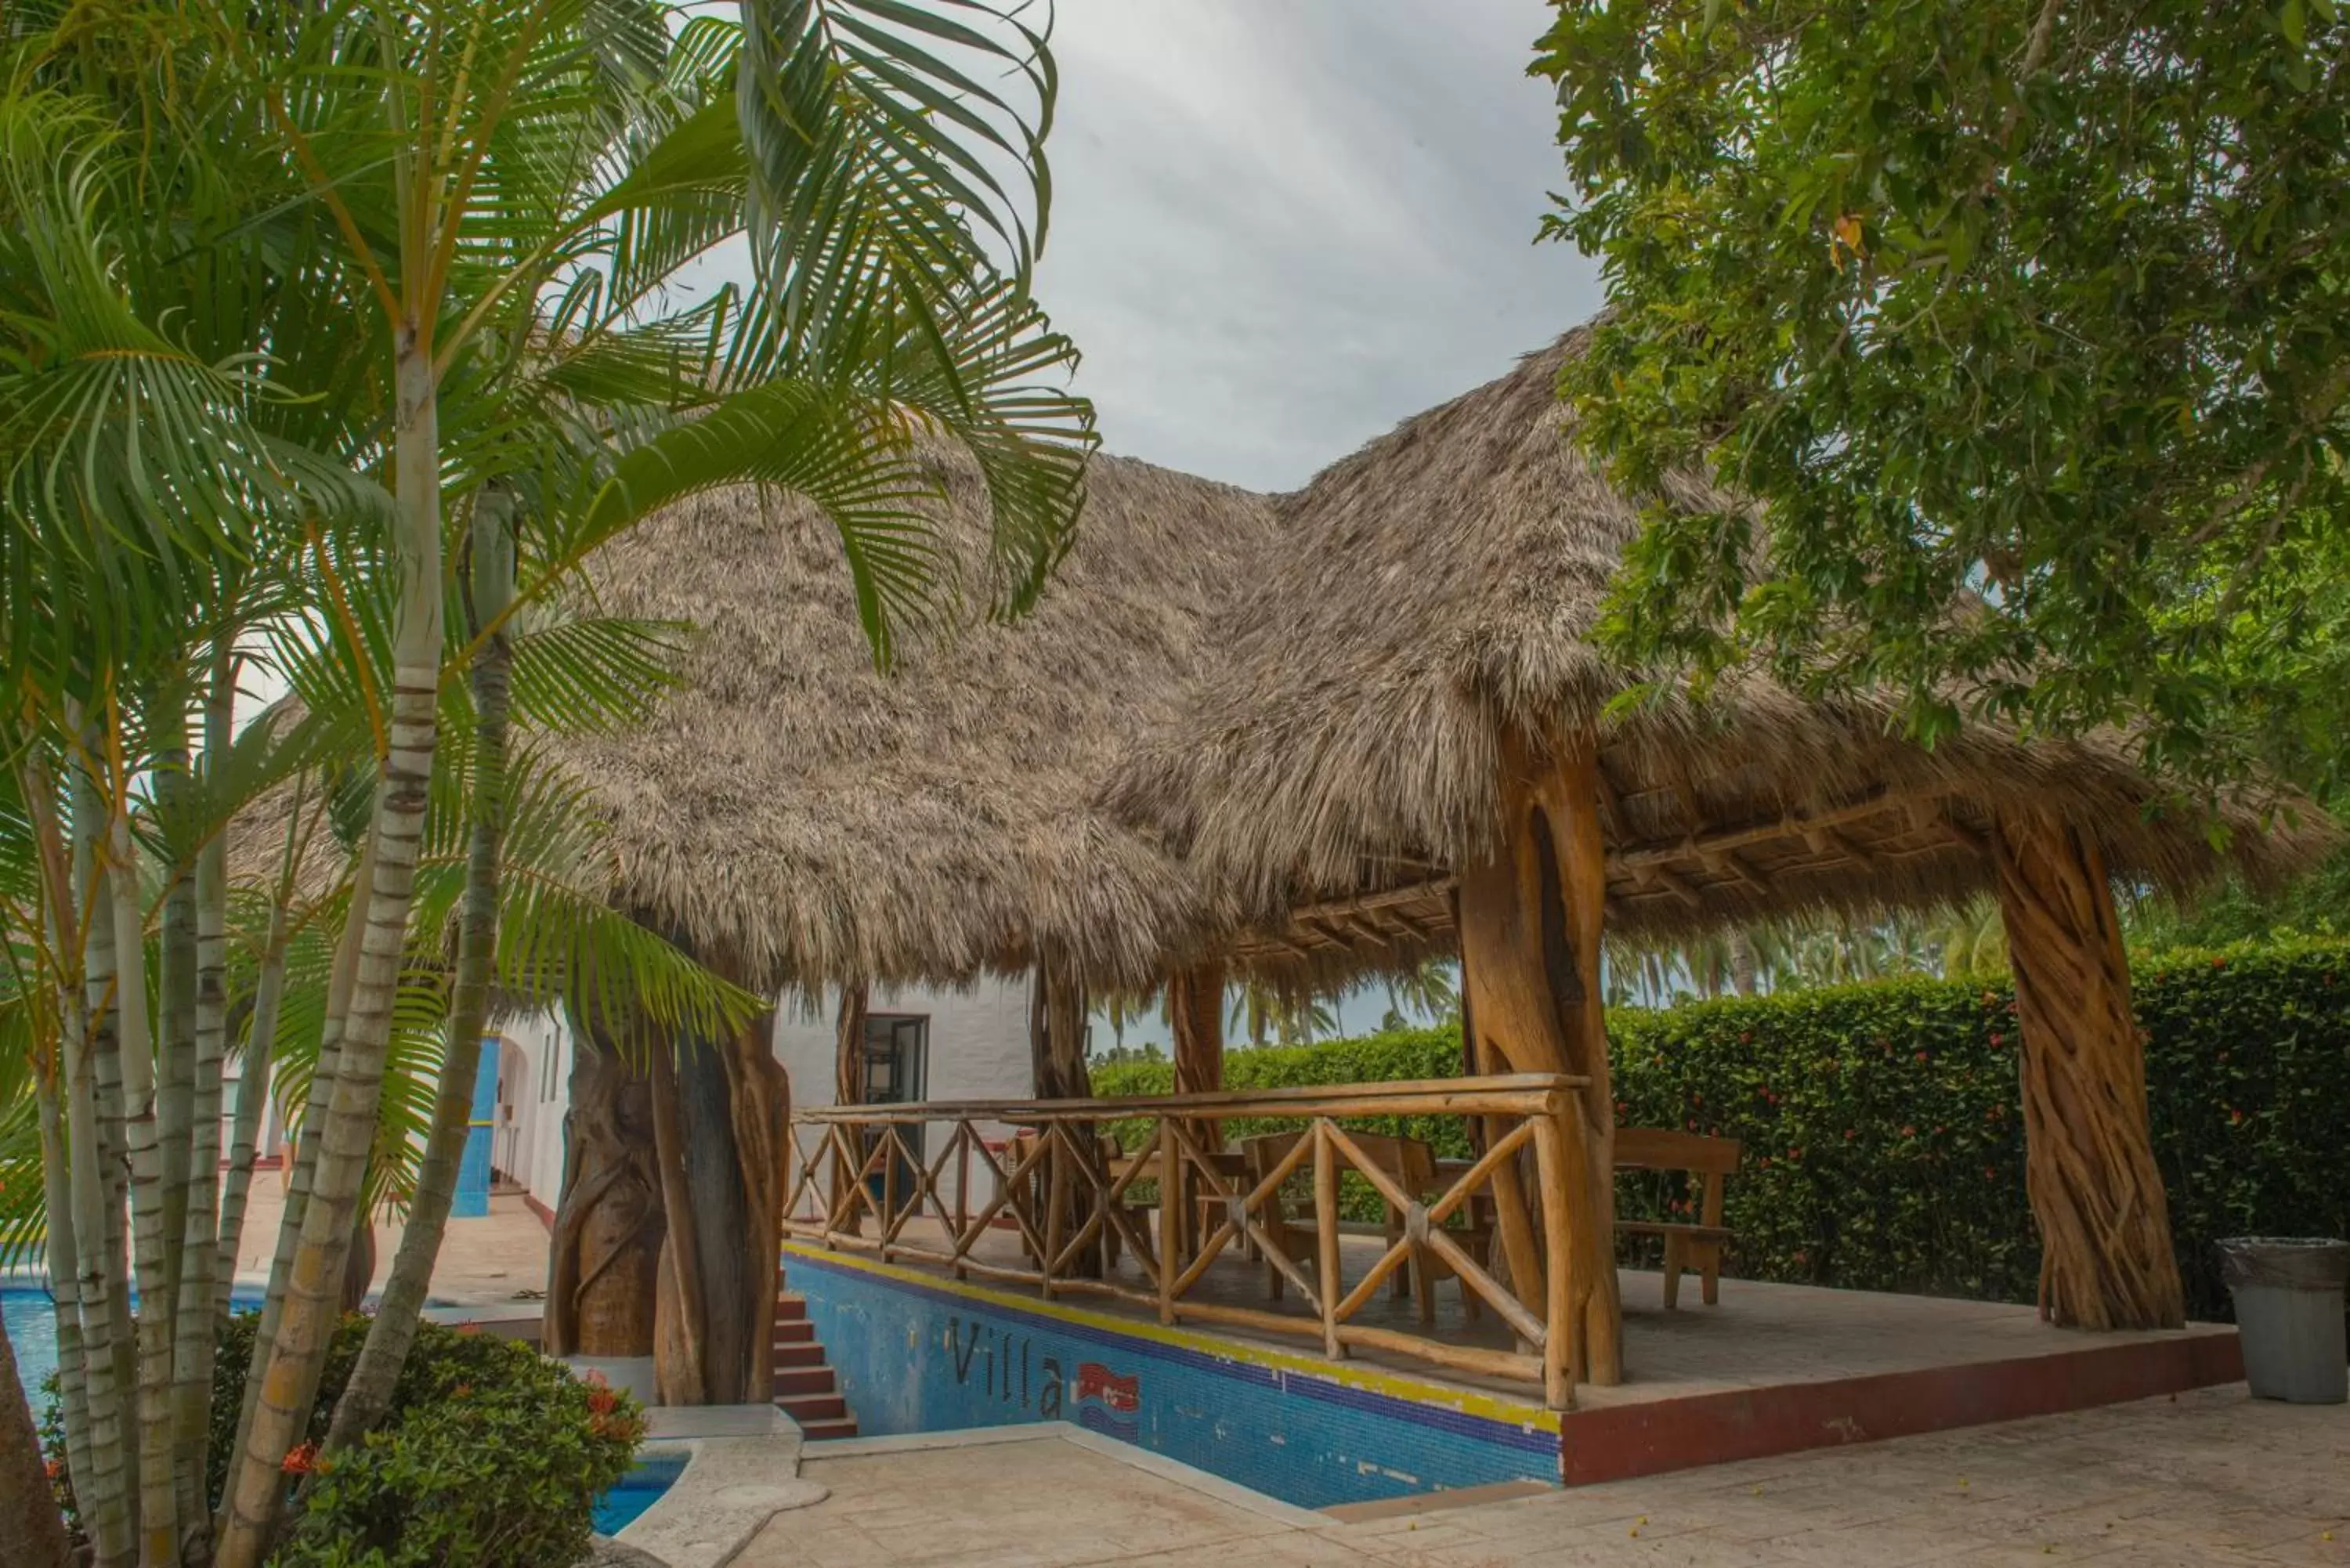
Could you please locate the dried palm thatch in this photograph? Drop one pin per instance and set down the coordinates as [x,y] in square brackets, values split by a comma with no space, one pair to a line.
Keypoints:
[1338,761]
[811,820]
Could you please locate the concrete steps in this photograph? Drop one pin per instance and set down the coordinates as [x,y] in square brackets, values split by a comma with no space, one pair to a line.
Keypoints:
[805,1387]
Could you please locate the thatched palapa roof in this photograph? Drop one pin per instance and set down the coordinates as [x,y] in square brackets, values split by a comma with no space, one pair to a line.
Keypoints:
[1337,760]
[792,808]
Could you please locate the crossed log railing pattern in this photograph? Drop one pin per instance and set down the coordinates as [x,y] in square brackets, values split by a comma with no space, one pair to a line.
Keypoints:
[859,1184]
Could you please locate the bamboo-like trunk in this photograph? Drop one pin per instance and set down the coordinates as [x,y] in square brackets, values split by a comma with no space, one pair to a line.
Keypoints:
[255,1488]
[253,1087]
[103,1281]
[32,1535]
[158,1527]
[52,1071]
[175,994]
[296,1211]
[197,1322]
[252,1105]
[368,1395]
[2106,1258]
[114,1252]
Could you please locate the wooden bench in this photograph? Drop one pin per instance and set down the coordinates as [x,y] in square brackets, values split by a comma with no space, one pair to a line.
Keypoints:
[1697,1246]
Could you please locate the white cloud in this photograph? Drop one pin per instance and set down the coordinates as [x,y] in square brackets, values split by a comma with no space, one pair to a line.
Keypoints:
[1281,225]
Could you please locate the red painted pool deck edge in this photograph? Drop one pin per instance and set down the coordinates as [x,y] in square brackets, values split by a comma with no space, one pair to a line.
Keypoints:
[1618,1442]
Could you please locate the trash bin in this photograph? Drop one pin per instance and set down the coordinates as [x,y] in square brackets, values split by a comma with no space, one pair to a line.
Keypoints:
[2289,1304]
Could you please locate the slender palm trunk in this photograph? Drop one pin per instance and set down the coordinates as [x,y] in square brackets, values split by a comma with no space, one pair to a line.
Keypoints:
[158,1534]
[175,1017]
[102,1283]
[52,1074]
[314,1285]
[195,1318]
[306,1160]
[369,1393]
[252,1102]
[32,1535]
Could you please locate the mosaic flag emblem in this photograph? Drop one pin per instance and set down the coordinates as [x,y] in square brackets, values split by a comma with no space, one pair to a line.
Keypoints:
[1107,1403]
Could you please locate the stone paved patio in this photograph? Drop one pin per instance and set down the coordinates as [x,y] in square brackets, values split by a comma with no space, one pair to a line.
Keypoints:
[2210,1477]
[496,1262]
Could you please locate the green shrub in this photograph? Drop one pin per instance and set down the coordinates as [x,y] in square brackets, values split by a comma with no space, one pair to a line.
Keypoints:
[495,1457]
[1884,1145]
[490,1457]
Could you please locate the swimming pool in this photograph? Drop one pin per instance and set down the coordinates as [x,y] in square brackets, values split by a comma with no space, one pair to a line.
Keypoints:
[33,1332]
[638,1490]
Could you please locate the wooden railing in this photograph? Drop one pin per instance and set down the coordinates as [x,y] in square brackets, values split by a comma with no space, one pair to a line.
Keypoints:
[1070,1195]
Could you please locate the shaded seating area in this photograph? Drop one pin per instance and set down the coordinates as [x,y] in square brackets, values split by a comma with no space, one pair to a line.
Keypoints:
[1397,740]
[1406,744]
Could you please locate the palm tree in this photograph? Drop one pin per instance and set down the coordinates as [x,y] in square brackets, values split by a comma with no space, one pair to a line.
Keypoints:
[1430,991]
[496,194]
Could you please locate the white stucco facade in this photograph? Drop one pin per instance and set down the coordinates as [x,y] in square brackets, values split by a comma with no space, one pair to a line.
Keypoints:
[973,1045]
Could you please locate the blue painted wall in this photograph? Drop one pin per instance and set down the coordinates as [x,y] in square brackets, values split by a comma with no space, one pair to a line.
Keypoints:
[919,1356]
[472,1199]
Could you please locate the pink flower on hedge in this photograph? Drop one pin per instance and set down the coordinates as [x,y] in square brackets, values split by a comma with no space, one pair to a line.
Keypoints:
[1997,1040]
[301,1460]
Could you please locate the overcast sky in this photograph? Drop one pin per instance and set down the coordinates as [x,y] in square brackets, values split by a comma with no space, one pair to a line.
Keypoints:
[1279,226]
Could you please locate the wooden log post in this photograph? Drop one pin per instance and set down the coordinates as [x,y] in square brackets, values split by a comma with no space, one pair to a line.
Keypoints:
[1195,1014]
[2106,1258]
[1056,1045]
[848,1086]
[1530,928]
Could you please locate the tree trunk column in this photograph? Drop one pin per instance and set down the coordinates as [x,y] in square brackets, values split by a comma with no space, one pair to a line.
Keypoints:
[1056,1043]
[1530,924]
[1195,1014]
[2106,1258]
[848,1089]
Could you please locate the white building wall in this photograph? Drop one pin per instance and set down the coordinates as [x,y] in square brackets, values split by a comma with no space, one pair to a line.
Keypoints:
[535,1099]
[977,1050]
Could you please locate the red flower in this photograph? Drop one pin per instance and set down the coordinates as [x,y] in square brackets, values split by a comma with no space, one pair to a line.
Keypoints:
[53,1469]
[1997,1040]
[603,1401]
[460,1391]
[1908,1132]
[1795,1154]
[467,1329]
[2235,1117]
[1850,1134]
[2219,963]
[300,1461]
[1746,1037]
[1922,1055]
[592,1375]
[1990,1175]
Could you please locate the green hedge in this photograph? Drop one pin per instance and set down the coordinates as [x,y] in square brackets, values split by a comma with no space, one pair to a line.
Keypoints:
[1884,1145]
